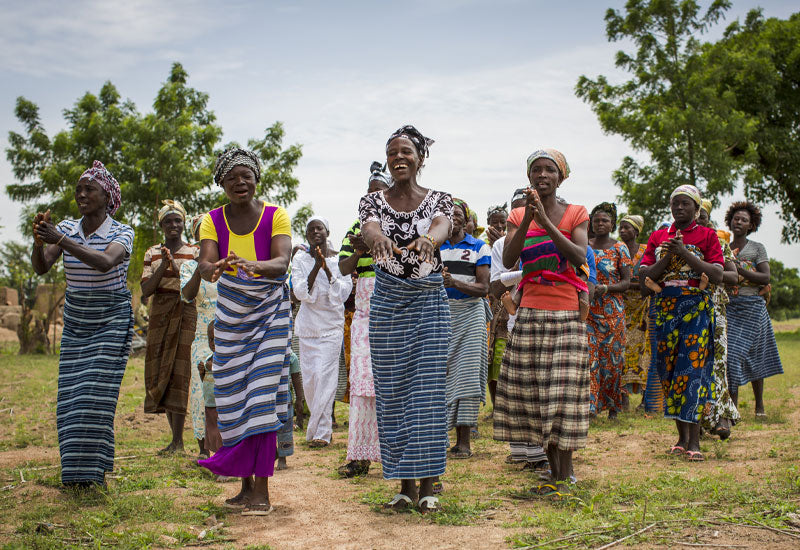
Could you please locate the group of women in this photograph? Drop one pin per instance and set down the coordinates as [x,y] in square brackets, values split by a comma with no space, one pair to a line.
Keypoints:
[592,320]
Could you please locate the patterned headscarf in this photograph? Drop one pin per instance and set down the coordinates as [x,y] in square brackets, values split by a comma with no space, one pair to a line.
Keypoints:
[550,154]
[500,208]
[519,195]
[636,221]
[724,235]
[236,156]
[171,207]
[706,205]
[377,174]
[421,142]
[609,208]
[196,222]
[688,190]
[110,185]
[463,205]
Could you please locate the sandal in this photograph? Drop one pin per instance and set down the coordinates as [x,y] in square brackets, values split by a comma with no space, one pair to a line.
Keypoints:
[257,510]
[694,456]
[235,503]
[676,450]
[397,499]
[461,455]
[562,492]
[354,468]
[428,505]
[318,443]
[544,490]
[538,467]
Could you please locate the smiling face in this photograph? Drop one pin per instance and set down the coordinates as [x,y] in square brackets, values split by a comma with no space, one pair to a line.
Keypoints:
[627,232]
[402,158]
[684,209]
[602,224]
[240,184]
[90,197]
[316,234]
[498,220]
[741,224]
[172,226]
[544,176]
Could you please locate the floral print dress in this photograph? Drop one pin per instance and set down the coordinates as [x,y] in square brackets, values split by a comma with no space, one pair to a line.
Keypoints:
[637,350]
[606,332]
[206,301]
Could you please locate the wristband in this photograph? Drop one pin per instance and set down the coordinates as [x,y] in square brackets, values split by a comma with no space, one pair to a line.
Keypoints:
[61,239]
[431,239]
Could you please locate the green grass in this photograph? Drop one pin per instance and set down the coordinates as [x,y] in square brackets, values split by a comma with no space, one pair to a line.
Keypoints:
[164,502]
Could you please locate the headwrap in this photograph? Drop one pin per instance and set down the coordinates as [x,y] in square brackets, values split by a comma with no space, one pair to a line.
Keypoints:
[196,221]
[463,205]
[319,219]
[171,207]
[688,190]
[705,204]
[110,185]
[377,174]
[518,195]
[236,157]
[500,208]
[724,235]
[636,221]
[609,208]
[421,142]
[550,154]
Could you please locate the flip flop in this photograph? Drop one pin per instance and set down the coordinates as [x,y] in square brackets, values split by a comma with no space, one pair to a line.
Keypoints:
[562,492]
[257,510]
[397,499]
[431,504]
[544,490]
[235,503]
[694,456]
[676,450]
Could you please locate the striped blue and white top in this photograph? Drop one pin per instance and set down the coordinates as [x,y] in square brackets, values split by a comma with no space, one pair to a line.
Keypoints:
[82,277]
[462,258]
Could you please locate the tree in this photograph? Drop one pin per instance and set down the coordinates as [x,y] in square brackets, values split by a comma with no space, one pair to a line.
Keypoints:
[17,272]
[166,154]
[785,296]
[758,64]
[300,220]
[668,109]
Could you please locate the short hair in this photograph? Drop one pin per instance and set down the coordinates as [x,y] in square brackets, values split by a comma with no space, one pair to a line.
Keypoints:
[753,210]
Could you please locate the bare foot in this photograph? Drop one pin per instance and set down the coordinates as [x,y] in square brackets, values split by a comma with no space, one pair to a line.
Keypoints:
[652,285]
[281,463]
[703,282]
[172,448]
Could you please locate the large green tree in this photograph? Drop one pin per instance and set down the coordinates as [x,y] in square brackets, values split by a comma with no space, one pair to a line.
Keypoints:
[668,110]
[168,153]
[758,64]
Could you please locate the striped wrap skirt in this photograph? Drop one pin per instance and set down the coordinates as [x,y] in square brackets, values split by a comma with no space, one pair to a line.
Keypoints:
[752,350]
[467,361]
[409,327]
[543,390]
[98,327]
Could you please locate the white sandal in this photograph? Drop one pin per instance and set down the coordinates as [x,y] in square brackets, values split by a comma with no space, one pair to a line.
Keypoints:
[431,504]
[399,497]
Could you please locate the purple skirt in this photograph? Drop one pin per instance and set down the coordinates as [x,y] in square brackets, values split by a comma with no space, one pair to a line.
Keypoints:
[252,456]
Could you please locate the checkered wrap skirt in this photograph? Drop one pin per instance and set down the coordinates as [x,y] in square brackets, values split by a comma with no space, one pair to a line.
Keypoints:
[543,389]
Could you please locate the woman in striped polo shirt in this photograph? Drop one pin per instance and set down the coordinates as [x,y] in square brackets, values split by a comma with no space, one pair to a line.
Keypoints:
[466,263]
[98,323]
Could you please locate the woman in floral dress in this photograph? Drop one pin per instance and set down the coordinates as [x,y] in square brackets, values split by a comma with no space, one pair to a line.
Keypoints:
[606,322]
[637,352]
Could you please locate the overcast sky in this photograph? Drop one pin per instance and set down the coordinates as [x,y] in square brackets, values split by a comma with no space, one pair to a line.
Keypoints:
[490,81]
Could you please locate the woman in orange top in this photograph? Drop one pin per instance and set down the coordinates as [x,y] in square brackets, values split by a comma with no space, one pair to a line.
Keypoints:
[543,389]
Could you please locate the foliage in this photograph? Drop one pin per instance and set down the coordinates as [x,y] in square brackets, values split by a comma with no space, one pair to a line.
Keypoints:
[758,65]
[300,220]
[785,296]
[17,272]
[168,153]
[668,109]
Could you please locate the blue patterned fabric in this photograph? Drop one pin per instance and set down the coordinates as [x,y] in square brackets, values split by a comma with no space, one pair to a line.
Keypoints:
[252,332]
[752,351]
[98,327]
[409,327]
[467,361]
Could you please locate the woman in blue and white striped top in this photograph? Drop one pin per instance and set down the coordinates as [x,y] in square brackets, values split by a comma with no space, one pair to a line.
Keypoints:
[98,323]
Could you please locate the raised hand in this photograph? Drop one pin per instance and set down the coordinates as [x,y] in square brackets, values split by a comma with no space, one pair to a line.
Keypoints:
[247,266]
[424,248]
[358,243]
[383,248]
[37,219]
[221,266]
[534,203]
